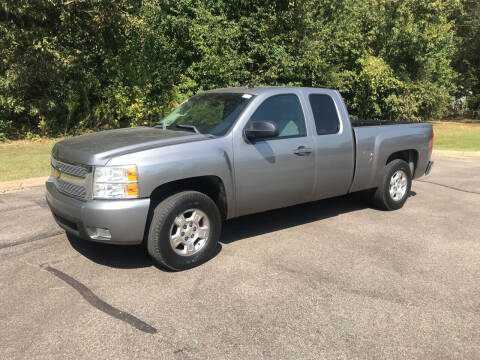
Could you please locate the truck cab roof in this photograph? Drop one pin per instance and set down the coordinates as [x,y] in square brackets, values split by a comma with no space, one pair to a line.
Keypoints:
[264,89]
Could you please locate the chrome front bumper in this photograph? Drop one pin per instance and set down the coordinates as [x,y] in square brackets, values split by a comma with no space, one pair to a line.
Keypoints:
[125,219]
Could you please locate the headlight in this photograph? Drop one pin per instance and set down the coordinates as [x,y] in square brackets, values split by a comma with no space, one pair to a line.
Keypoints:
[115,182]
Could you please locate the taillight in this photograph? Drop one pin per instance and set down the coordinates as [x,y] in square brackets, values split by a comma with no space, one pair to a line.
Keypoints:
[431,143]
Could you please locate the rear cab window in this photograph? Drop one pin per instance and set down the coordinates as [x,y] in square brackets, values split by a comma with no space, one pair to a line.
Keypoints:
[324,113]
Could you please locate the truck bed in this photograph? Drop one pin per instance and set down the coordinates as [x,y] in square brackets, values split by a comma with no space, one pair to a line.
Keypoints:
[375,141]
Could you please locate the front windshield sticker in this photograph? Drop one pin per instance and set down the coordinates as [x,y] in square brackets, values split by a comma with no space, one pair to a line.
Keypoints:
[246,96]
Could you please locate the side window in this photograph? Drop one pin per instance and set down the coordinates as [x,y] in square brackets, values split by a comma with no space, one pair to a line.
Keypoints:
[285,112]
[324,113]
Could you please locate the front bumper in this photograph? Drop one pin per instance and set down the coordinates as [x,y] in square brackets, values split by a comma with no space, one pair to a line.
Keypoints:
[125,219]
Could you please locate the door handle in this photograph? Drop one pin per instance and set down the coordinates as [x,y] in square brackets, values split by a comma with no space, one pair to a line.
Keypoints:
[302,150]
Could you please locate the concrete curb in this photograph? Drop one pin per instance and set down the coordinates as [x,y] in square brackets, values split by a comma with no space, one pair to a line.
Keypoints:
[452,153]
[17,185]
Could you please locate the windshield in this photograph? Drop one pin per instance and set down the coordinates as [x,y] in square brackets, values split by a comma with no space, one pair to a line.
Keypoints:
[207,113]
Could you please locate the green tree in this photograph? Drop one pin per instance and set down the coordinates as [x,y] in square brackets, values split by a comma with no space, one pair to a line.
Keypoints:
[71,65]
[467,59]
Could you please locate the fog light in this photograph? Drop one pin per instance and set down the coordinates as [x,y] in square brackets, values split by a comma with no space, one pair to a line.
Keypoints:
[99,233]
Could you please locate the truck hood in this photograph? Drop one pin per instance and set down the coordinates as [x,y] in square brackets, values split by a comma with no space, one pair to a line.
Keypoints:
[98,148]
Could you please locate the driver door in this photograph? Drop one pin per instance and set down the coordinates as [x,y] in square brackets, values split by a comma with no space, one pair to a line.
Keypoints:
[276,172]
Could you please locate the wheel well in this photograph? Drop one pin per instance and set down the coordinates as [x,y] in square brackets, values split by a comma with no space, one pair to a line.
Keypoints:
[211,186]
[409,156]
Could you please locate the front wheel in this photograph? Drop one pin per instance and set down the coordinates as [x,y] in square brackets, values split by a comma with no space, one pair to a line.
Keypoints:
[184,230]
[394,188]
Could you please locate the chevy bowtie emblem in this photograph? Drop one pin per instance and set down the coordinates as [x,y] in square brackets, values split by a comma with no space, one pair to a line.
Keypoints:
[56,173]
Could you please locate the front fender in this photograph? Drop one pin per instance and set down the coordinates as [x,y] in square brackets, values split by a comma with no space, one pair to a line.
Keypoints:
[212,157]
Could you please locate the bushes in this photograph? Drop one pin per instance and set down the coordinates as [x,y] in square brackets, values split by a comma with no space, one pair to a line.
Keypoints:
[69,66]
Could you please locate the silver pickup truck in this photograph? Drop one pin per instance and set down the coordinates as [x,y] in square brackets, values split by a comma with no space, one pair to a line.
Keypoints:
[226,153]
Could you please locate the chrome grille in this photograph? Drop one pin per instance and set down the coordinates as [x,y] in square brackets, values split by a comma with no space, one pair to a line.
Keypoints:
[70,179]
[71,189]
[75,170]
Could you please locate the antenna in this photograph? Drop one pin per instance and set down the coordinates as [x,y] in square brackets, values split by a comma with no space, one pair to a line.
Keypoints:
[250,86]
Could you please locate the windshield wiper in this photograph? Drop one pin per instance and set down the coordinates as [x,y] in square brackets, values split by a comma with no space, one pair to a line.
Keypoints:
[160,123]
[181,126]
[192,127]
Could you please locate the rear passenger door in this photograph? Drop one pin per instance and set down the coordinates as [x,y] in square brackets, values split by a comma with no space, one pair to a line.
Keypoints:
[278,172]
[333,143]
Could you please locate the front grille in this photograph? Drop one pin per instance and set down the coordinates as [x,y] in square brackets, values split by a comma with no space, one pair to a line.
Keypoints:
[71,189]
[70,179]
[74,170]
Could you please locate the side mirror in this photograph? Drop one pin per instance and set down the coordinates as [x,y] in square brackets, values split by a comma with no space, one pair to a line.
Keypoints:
[261,130]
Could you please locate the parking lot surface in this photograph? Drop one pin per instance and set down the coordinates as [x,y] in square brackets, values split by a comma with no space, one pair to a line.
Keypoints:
[334,279]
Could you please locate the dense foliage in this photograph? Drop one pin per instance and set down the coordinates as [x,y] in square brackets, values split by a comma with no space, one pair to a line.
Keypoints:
[467,58]
[72,65]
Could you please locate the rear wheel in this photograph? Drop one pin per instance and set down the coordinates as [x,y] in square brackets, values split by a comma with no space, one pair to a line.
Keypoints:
[395,186]
[184,230]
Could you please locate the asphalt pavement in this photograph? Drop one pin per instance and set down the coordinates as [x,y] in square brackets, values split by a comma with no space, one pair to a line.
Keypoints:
[334,279]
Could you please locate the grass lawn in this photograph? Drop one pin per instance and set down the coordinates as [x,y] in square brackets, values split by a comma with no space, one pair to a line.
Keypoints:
[456,135]
[25,159]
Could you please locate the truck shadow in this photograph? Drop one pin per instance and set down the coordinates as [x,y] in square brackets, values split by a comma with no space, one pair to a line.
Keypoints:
[119,256]
[116,256]
[279,219]
[127,257]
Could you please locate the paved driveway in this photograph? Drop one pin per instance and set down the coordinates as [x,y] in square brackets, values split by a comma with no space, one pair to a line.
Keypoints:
[332,279]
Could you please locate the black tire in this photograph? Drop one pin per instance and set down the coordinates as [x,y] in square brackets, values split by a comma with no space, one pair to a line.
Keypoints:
[382,197]
[164,214]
